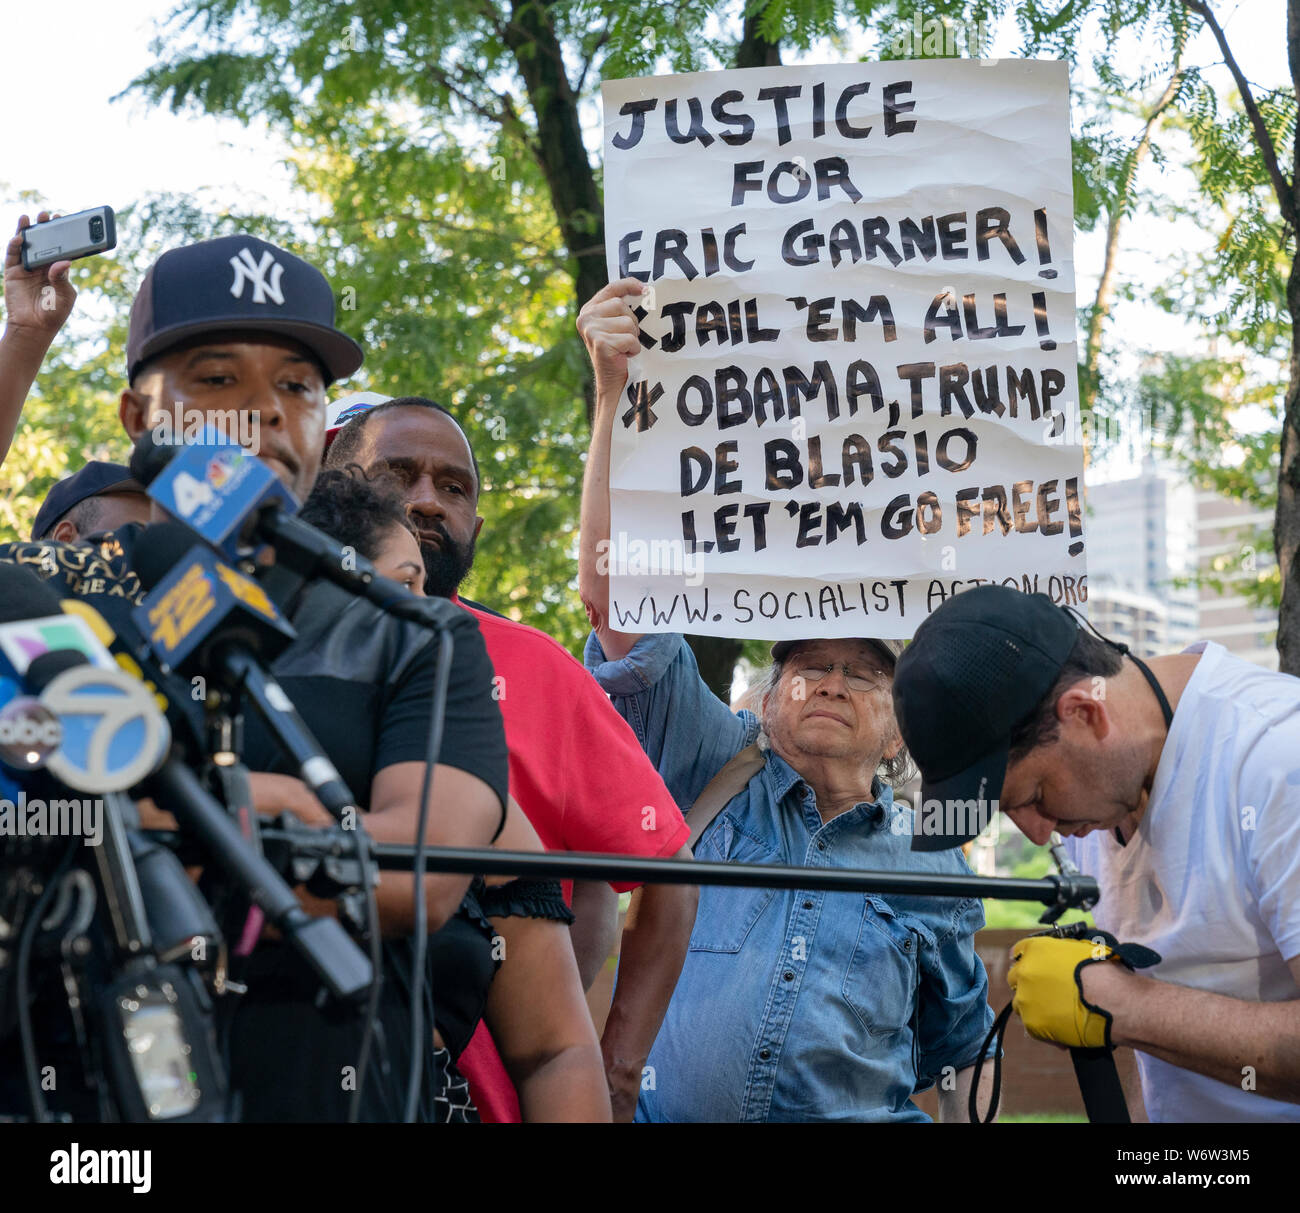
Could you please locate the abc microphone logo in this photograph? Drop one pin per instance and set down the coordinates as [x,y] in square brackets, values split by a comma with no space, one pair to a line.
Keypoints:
[113,734]
[29,734]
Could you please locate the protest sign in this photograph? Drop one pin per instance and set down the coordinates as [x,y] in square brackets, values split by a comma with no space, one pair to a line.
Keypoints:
[857,390]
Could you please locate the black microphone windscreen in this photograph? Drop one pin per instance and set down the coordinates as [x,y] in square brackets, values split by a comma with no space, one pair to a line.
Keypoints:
[48,666]
[150,457]
[160,547]
[23,595]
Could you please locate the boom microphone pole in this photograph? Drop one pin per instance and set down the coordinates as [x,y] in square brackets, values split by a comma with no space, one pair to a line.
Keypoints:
[1068,892]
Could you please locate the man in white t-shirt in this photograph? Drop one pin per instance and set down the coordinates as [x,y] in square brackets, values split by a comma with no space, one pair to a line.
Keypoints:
[1179,782]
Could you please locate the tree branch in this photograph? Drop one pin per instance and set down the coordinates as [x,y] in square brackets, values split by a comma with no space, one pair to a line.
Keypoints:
[1106,283]
[586,67]
[459,229]
[1281,187]
[559,147]
[506,117]
[513,27]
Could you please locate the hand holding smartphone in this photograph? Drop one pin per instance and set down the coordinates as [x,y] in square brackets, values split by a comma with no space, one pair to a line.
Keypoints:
[38,301]
[38,298]
[68,237]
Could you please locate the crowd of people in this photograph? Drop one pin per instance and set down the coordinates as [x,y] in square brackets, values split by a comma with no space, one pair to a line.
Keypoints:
[730,1003]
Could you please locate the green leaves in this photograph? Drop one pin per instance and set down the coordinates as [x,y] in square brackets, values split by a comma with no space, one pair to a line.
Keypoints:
[414,136]
[416,141]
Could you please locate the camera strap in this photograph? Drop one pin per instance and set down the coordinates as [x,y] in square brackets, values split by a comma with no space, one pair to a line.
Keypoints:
[1161,698]
[728,783]
[1094,1069]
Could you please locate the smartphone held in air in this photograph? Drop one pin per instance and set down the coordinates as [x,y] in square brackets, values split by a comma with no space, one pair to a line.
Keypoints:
[69,237]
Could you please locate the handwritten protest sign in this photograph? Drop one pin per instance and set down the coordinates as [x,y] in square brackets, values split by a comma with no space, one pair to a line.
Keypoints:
[857,392]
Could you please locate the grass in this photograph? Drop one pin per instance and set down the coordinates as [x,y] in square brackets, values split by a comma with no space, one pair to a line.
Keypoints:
[1044,1118]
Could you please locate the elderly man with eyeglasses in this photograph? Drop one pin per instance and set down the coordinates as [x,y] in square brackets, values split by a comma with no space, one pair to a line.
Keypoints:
[792,1005]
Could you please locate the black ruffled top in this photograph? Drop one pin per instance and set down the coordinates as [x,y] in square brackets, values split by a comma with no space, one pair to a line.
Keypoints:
[462,956]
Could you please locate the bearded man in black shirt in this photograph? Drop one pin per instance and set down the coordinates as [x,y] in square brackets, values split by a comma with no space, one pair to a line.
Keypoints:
[238,333]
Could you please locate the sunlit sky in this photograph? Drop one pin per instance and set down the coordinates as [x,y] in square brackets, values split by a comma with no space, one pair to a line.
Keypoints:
[65,139]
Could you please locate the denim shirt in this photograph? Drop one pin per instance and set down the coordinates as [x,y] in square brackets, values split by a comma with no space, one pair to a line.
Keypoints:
[796,1005]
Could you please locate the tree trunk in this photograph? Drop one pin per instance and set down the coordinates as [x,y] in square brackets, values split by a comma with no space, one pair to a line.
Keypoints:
[561,153]
[1286,522]
[1286,526]
[580,210]
[717,655]
[755,50]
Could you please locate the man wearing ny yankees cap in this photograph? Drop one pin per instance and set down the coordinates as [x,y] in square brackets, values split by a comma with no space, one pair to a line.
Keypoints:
[1177,783]
[208,316]
[236,332]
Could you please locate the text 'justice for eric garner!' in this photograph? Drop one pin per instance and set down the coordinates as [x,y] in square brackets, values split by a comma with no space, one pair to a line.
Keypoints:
[856,393]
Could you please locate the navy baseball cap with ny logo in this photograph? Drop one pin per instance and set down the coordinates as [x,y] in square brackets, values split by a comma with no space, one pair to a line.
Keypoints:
[237,283]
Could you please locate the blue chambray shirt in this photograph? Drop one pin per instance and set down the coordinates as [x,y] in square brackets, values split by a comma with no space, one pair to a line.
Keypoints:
[796,1005]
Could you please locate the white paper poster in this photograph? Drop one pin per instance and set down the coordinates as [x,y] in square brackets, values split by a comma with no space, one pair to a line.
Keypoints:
[857,390]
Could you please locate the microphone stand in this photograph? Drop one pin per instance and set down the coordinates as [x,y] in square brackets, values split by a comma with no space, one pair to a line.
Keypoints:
[321,942]
[223,772]
[237,671]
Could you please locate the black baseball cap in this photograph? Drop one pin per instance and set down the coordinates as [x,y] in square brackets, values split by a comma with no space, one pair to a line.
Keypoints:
[889,649]
[94,479]
[974,671]
[237,282]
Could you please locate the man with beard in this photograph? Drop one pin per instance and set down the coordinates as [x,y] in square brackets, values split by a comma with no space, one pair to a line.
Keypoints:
[240,334]
[575,766]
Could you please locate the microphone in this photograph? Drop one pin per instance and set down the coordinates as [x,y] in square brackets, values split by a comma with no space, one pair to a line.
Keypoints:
[113,728]
[114,736]
[201,616]
[110,734]
[150,1015]
[196,605]
[212,486]
[28,732]
[32,623]
[237,509]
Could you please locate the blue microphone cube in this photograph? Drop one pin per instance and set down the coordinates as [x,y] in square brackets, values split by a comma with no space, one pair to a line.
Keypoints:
[214,488]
